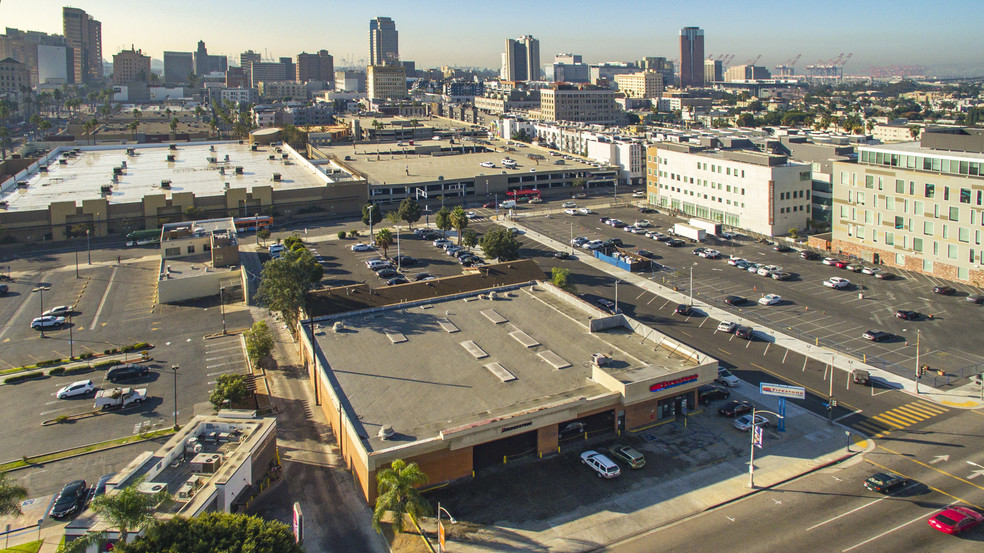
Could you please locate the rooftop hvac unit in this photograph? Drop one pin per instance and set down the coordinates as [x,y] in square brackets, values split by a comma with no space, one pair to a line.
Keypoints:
[150,488]
[210,464]
[600,359]
[337,327]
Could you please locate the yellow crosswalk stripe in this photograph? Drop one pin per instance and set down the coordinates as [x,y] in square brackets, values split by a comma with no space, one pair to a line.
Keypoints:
[914,413]
[897,415]
[930,407]
[871,427]
[888,421]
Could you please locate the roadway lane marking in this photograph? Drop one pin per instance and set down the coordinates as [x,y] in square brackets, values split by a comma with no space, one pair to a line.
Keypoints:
[852,511]
[102,303]
[724,352]
[927,465]
[858,412]
[885,533]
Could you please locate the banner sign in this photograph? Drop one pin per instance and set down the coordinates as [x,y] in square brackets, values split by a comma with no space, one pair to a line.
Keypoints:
[781,390]
[666,385]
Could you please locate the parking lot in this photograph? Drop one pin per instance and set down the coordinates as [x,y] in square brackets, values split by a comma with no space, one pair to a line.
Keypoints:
[809,310]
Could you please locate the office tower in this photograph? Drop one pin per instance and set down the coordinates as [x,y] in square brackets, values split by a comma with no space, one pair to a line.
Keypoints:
[568,68]
[691,57]
[713,71]
[383,42]
[386,81]
[290,70]
[43,54]
[521,61]
[83,35]
[201,59]
[177,66]
[247,58]
[131,65]
[267,72]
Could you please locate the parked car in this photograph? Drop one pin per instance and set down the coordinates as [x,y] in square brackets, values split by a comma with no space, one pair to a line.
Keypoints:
[710,254]
[782,248]
[126,371]
[744,332]
[70,499]
[100,487]
[397,280]
[855,267]
[4,289]
[781,275]
[727,326]
[568,204]
[809,255]
[59,311]
[605,467]
[584,210]
[579,195]
[906,315]
[441,242]
[647,210]
[840,264]
[361,247]
[646,253]
[684,309]
[876,335]
[471,215]
[770,299]
[422,276]
[727,378]
[955,519]
[404,260]
[707,394]
[77,388]
[944,290]
[829,261]
[628,455]
[570,211]
[593,245]
[767,270]
[837,283]
[975,298]
[884,275]
[734,261]
[638,194]
[675,243]
[644,223]
[744,422]
[727,236]
[869,270]
[387,272]
[883,483]
[698,250]
[48,321]
[614,242]
[735,408]
[562,255]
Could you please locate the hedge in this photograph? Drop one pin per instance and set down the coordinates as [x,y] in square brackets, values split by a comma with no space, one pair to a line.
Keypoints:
[22,377]
[77,370]
[48,362]
[56,371]
[105,364]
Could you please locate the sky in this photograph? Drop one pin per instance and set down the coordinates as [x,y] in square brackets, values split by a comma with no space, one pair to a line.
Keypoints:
[877,32]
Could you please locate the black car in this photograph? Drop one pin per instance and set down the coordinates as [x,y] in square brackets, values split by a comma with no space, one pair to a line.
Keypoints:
[4,289]
[707,394]
[388,272]
[735,408]
[404,260]
[734,300]
[944,290]
[100,487]
[744,332]
[397,280]
[383,267]
[604,219]
[126,371]
[675,243]
[70,500]
[907,315]
[808,255]
[619,224]
[884,483]
[882,275]
[647,210]
[614,242]
[684,309]
[422,276]
[646,253]
[975,298]
[876,335]
[698,251]
[782,248]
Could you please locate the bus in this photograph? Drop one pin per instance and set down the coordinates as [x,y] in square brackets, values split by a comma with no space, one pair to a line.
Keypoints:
[523,194]
[143,237]
[260,222]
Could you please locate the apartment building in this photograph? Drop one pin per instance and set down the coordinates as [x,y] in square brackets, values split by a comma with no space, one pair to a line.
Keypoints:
[282,90]
[579,105]
[742,188]
[915,205]
[13,75]
[644,84]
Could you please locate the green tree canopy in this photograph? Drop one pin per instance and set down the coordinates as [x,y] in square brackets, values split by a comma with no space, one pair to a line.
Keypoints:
[459,220]
[397,487]
[229,389]
[259,341]
[283,284]
[126,509]
[500,244]
[371,214]
[470,239]
[215,532]
[410,211]
[560,277]
[442,220]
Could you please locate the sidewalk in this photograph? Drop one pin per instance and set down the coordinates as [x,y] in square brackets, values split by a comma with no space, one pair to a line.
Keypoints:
[963,397]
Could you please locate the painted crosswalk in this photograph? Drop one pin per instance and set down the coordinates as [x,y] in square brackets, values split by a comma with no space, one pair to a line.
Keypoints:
[899,418]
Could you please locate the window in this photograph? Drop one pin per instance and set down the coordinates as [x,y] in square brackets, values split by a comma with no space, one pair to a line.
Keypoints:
[917,245]
[861,198]
[951,251]
[927,265]
[890,203]
[889,238]
[899,223]
[963,234]
[899,186]
[869,181]
[954,213]
[965,195]
[918,207]
[804,175]
[843,177]
[191,249]
[946,193]
[930,190]
[168,252]
[928,228]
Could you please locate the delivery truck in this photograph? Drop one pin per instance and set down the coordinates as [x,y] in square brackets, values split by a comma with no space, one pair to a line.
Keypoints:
[687,231]
[710,227]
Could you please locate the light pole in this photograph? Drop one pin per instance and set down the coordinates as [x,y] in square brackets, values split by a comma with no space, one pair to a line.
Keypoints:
[222,307]
[440,532]
[692,284]
[918,368]
[616,295]
[751,455]
[71,340]
[88,248]
[831,402]
[76,258]
[40,290]
[572,238]
[174,370]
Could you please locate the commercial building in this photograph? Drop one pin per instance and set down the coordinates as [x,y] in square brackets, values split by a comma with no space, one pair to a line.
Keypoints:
[726,181]
[739,73]
[713,71]
[525,370]
[83,35]
[131,65]
[46,57]
[239,95]
[915,205]
[384,42]
[197,259]
[498,101]
[13,75]
[604,73]
[521,60]
[319,114]
[568,68]
[386,81]
[316,67]
[579,105]
[691,57]
[177,67]
[246,60]
[895,133]
[206,64]
[267,71]
[350,81]
[282,90]
[821,155]
[660,65]
[645,84]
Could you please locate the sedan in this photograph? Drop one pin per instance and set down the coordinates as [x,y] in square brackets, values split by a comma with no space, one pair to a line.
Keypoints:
[647,210]
[628,455]
[710,254]
[944,290]
[646,253]
[840,264]
[584,210]
[727,326]
[770,299]
[855,267]
[837,283]
[404,260]
[809,255]
[782,248]
[734,300]
[876,335]
[77,388]
[744,422]
[829,261]
[736,260]
[47,321]
[361,247]
[735,408]
[684,309]
[883,275]
[70,500]
[568,204]
[57,311]
[907,315]
[570,211]
[422,276]
[956,519]
[869,270]
[727,378]
[883,483]
[975,298]
[562,255]
[397,280]
[744,332]
[636,230]
[707,394]
[471,215]
[698,251]
[604,220]
[781,275]
[388,272]
[675,243]
[606,303]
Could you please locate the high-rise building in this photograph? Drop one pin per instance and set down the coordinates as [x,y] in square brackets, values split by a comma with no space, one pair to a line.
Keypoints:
[316,67]
[131,65]
[386,81]
[521,60]
[644,84]
[568,68]
[177,67]
[28,47]
[13,75]
[384,44]
[245,59]
[713,71]
[267,71]
[84,35]
[579,104]
[691,57]
[746,73]
[201,59]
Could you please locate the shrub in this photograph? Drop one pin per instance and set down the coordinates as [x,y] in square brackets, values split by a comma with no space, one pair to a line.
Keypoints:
[353,233]
[87,355]
[47,362]
[341,234]
[78,370]
[23,376]
[105,364]
[56,371]
[138,345]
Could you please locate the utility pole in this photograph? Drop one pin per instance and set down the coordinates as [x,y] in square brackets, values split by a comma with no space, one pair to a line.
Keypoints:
[174,370]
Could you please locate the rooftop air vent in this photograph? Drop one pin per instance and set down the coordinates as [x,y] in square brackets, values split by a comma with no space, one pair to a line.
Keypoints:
[337,327]
[386,432]
[600,359]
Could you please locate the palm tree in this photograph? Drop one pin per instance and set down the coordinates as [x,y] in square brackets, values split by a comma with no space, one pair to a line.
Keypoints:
[199,112]
[4,141]
[174,127]
[95,128]
[87,127]
[126,509]
[384,239]
[133,127]
[43,126]
[459,220]
[397,487]
[136,113]
[10,496]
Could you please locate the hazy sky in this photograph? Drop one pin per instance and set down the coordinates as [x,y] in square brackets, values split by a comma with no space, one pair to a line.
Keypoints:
[878,32]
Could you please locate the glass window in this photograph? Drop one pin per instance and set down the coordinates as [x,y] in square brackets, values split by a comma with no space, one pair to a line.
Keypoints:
[869,181]
[917,244]
[965,195]
[927,265]
[930,190]
[899,223]
[889,238]
[955,213]
[890,203]
[928,228]
[843,177]
[963,234]
[918,207]
[899,186]
[867,216]
[946,193]
[861,198]
[951,251]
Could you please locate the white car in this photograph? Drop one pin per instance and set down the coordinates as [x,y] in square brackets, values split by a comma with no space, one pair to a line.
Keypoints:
[584,211]
[636,230]
[441,242]
[535,200]
[828,261]
[570,211]
[471,215]
[736,260]
[600,463]
[47,321]
[487,164]
[361,247]
[725,377]
[837,283]
[727,326]
[593,245]
[770,299]
[568,204]
[727,235]
[710,254]
[57,311]
[643,223]
[768,270]
[78,388]
[638,194]
[869,270]
[744,422]
[579,241]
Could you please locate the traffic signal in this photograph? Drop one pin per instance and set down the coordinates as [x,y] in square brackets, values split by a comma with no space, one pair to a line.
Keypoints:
[979,378]
[833,403]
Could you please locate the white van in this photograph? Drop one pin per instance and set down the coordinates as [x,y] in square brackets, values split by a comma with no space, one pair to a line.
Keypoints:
[277,250]
[508,204]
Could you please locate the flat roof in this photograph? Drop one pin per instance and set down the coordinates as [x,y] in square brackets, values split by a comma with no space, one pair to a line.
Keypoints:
[907,148]
[192,266]
[83,175]
[459,361]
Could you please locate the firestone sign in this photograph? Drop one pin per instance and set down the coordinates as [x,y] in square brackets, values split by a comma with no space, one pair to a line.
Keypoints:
[667,384]
[781,390]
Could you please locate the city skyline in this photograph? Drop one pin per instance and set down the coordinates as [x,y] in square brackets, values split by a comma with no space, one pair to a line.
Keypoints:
[877,32]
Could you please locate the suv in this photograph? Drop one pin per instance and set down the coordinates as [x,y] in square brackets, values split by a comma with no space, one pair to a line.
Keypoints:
[70,500]
[707,394]
[725,377]
[276,250]
[125,372]
[605,467]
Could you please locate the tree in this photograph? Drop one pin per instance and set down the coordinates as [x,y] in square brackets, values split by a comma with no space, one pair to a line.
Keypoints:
[522,136]
[371,215]
[126,509]
[10,496]
[230,389]
[384,239]
[397,487]
[914,131]
[459,220]
[393,217]
[410,211]
[470,239]
[282,287]
[133,127]
[560,277]
[210,532]
[259,341]
[174,127]
[263,234]
[442,220]
[500,244]
[193,213]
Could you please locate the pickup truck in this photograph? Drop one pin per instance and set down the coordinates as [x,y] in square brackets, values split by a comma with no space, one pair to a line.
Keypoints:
[117,398]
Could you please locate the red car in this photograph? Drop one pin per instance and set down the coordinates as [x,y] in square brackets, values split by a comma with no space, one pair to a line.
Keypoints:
[954,520]
[839,264]
[488,205]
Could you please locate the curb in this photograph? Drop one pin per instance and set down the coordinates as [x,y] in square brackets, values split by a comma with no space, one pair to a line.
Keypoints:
[98,450]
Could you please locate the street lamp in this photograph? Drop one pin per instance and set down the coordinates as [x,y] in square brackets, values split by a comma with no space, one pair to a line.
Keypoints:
[41,290]
[174,370]
[616,295]
[440,533]
[751,455]
[88,248]
[692,284]
[918,368]
[76,258]
[222,307]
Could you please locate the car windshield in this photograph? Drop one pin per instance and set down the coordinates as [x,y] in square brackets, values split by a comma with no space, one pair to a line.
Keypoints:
[947,520]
